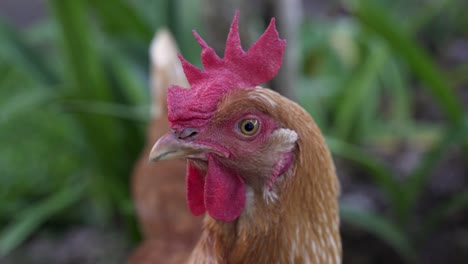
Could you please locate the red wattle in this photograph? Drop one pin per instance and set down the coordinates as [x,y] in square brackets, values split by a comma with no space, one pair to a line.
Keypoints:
[195,190]
[224,192]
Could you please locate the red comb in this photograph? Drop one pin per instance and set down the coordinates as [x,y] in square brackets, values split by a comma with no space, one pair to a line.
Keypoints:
[238,69]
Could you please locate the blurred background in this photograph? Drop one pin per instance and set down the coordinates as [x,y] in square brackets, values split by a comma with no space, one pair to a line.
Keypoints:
[386,80]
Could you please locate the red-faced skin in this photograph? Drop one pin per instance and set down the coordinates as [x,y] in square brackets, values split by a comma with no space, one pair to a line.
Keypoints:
[225,136]
[226,175]
[223,159]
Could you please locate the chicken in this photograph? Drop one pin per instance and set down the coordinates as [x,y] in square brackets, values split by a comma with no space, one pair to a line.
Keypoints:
[158,188]
[257,163]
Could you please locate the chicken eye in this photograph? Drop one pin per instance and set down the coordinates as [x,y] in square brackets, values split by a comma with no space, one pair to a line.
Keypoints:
[249,126]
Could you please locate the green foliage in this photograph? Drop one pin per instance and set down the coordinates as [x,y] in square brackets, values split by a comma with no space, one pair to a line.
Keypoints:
[387,57]
[373,17]
[74,101]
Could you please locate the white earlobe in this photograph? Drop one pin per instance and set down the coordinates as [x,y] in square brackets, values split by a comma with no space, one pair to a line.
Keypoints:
[286,138]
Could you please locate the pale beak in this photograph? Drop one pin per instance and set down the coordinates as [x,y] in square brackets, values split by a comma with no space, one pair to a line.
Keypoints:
[170,146]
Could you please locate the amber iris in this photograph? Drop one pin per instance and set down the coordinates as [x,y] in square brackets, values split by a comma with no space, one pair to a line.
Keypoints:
[249,126]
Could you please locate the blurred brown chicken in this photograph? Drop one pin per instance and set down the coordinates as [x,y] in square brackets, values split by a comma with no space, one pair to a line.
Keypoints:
[169,230]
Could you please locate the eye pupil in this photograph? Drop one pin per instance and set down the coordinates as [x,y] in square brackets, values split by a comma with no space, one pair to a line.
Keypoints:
[249,126]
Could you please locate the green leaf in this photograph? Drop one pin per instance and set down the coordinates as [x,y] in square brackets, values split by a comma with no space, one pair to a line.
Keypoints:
[382,229]
[376,19]
[29,220]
